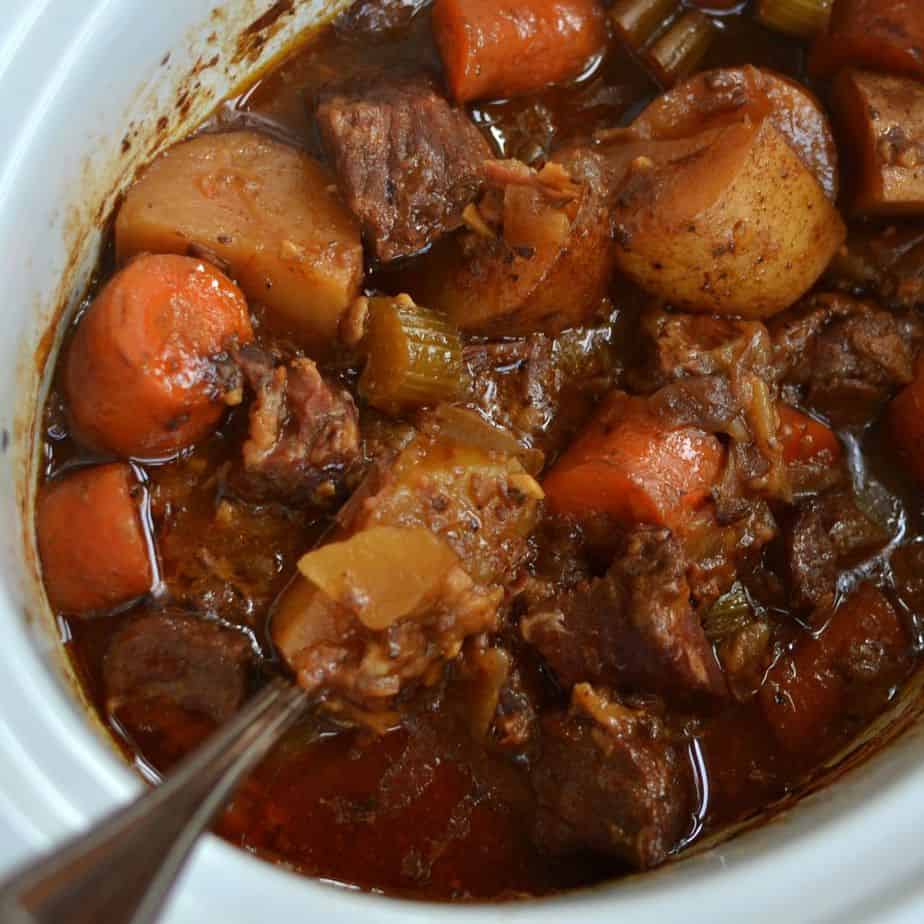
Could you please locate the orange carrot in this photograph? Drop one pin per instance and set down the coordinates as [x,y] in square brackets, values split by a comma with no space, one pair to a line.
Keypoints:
[142,375]
[628,464]
[806,439]
[500,48]
[906,423]
[881,36]
[807,690]
[91,539]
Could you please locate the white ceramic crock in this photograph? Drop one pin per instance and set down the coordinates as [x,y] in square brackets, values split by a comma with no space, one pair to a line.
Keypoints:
[83,84]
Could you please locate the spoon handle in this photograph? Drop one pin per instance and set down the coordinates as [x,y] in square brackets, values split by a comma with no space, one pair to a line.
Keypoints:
[121,870]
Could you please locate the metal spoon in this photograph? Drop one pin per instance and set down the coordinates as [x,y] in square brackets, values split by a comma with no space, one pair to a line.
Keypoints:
[122,869]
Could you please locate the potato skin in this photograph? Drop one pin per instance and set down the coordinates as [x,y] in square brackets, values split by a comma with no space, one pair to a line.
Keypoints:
[726,95]
[738,227]
[266,213]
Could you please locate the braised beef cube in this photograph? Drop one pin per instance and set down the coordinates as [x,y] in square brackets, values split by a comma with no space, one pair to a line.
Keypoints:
[887,262]
[830,532]
[174,660]
[610,780]
[832,681]
[407,162]
[634,627]
[679,346]
[848,356]
[304,431]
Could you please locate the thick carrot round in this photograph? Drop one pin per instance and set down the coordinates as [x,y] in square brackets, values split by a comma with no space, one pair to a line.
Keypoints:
[146,374]
[91,539]
[500,48]
[906,422]
[806,439]
[880,35]
[628,464]
[806,691]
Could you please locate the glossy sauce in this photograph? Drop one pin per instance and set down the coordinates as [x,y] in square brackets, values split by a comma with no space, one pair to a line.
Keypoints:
[425,810]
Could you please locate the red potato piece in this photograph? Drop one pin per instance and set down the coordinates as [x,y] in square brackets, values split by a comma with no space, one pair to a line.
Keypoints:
[883,35]
[267,212]
[883,123]
[147,372]
[106,561]
[550,269]
[509,48]
[727,222]
[721,97]
[628,464]
[906,423]
[862,648]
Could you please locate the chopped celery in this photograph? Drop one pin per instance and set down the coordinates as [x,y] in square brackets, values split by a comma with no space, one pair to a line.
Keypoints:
[678,52]
[637,21]
[414,356]
[731,612]
[802,18]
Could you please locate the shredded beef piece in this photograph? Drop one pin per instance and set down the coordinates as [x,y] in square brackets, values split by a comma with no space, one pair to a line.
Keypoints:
[407,162]
[542,388]
[174,659]
[829,531]
[812,562]
[717,374]
[634,628]
[609,779]
[887,263]
[847,356]
[304,432]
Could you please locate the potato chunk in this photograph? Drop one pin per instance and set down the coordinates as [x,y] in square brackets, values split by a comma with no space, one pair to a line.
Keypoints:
[267,213]
[732,222]
[721,97]
[883,121]
[547,271]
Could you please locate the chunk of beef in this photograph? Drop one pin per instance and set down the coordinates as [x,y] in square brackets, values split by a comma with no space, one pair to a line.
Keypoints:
[633,628]
[407,162]
[174,660]
[887,263]
[542,388]
[847,356]
[609,779]
[829,532]
[304,432]
[718,374]
[832,681]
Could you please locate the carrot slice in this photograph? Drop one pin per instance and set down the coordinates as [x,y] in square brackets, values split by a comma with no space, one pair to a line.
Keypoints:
[882,36]
[501,48]
[807,691]
[91,539]
[145,374]
[628,464]
[806,439]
